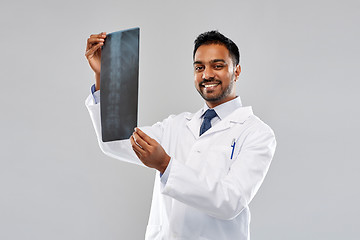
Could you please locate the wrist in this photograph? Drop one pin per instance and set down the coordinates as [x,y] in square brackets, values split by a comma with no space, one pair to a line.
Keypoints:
[164,164]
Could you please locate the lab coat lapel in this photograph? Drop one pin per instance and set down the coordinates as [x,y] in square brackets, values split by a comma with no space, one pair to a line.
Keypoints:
[239,116]
[194,123]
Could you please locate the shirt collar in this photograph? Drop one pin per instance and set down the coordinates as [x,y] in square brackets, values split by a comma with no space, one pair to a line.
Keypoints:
[223,110]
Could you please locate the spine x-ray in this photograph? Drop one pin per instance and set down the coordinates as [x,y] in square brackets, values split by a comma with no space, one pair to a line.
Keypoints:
[119,84]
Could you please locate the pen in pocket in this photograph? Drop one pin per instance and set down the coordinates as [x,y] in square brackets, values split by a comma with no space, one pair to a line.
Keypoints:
[233,148]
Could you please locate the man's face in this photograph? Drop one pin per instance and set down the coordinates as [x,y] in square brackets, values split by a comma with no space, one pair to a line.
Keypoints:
[215,74]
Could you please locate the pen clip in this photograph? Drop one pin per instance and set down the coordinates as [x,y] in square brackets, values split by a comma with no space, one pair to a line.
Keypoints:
[233,148]
[233,143]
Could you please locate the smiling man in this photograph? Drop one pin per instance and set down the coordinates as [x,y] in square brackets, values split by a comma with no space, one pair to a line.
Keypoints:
[210,163]
[215,73]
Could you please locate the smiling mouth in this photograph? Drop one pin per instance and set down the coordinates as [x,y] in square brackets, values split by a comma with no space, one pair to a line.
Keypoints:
[210,85]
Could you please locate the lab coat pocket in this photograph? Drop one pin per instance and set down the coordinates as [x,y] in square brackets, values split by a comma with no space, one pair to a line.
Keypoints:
[219,159]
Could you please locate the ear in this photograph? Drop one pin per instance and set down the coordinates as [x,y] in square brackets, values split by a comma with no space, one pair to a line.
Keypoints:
[237,72]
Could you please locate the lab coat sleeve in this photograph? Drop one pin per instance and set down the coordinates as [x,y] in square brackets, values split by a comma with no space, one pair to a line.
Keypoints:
[164,177]
[121,149]
[224,198]
[96,96]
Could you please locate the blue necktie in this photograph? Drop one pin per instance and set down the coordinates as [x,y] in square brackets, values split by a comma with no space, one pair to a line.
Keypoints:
[209,114]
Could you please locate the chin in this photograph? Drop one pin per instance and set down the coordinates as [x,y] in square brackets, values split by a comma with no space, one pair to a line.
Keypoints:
[212,98]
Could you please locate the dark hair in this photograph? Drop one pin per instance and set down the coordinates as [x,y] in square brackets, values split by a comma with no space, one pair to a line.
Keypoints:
[214,37]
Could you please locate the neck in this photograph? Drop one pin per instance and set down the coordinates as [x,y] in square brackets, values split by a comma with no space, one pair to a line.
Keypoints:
[212,104]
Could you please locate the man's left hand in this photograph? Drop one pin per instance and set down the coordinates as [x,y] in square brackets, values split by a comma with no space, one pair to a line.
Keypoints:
[149,151]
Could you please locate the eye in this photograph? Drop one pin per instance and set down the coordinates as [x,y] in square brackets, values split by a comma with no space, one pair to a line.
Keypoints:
[199,68]
[218,66]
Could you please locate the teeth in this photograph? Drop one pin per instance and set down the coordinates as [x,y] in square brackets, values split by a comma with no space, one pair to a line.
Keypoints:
[210,85]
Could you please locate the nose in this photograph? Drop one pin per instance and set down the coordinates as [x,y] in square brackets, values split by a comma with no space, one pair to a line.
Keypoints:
[208,73]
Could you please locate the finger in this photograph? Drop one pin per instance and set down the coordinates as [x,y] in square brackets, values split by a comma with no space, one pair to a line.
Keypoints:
[133,142]
[144,136]
[100,35]
[90,52]
[135,138]
[137,154]
[136,150]
[93,42]
[141,142]
[135,146]
[94,39]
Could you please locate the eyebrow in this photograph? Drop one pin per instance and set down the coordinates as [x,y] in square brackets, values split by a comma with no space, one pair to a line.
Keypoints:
[217,60]
[212,61]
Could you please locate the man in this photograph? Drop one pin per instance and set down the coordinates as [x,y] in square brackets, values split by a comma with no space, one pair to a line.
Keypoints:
[210,163]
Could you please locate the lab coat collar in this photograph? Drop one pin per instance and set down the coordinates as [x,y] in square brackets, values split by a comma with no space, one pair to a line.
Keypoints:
[225,109]
[238,116]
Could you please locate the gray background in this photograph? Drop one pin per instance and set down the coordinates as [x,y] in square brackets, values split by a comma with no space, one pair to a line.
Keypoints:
[300,62]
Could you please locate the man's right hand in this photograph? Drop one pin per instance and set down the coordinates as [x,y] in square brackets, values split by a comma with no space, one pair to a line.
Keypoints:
[93,54]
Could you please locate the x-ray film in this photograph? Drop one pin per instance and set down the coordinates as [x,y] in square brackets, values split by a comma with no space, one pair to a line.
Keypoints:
[119,84]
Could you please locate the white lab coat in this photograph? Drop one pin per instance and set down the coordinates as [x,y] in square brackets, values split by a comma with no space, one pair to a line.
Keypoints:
[207,193]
